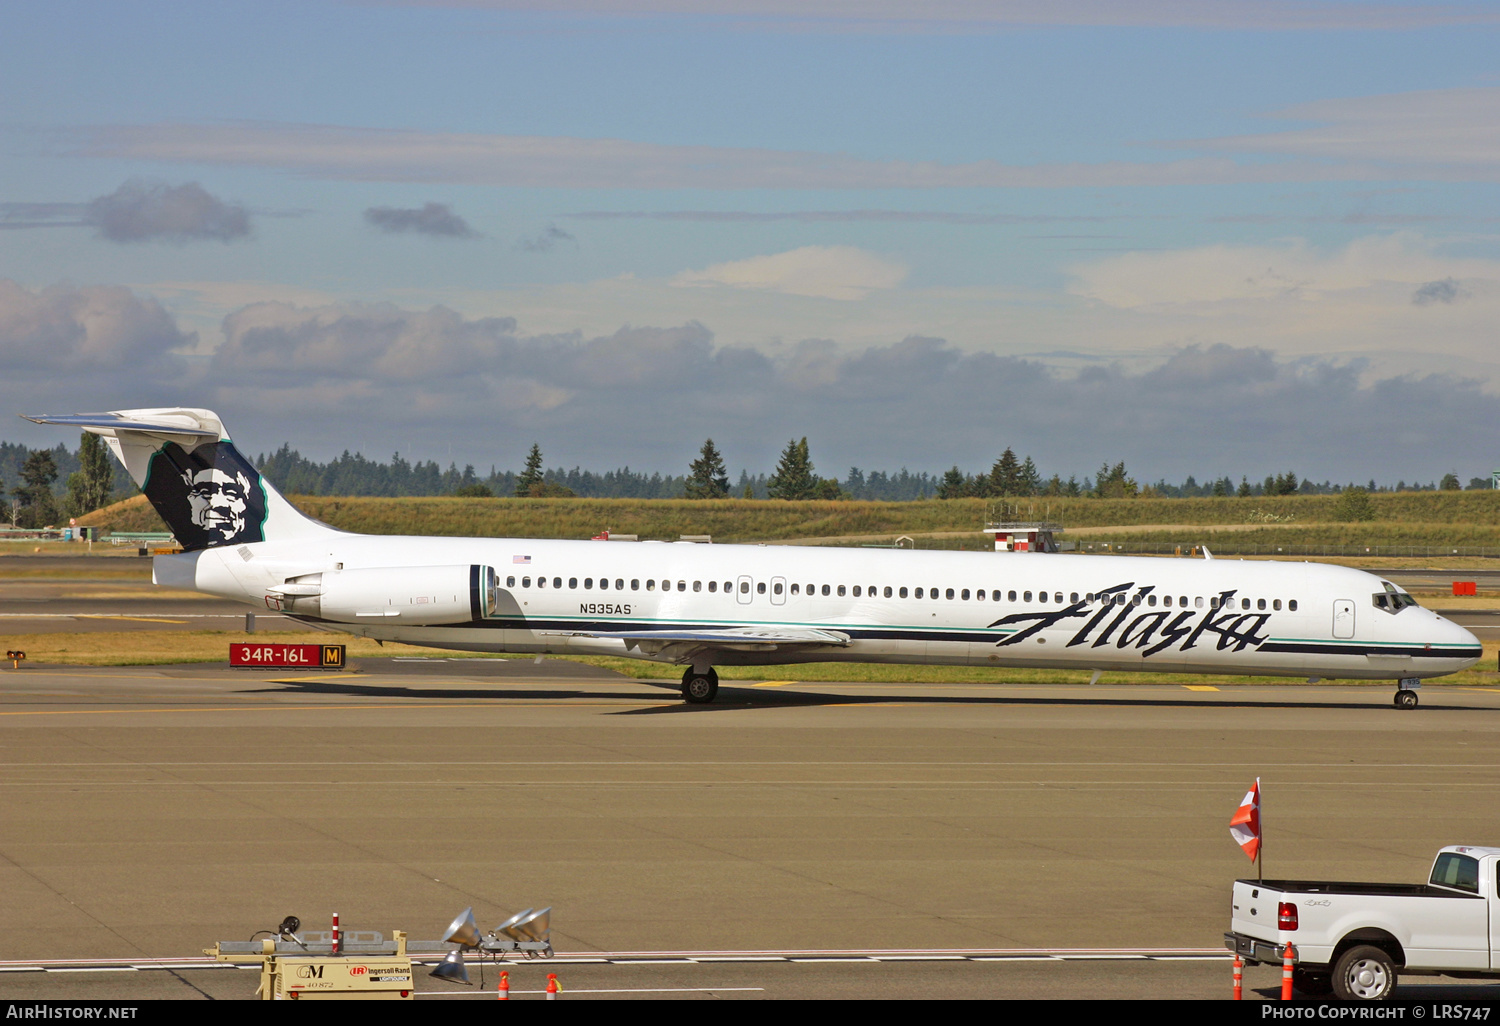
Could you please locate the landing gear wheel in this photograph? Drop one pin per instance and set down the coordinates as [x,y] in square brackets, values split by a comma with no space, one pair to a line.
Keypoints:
[1364,973]
[1406,700]
[1313,984]
[699,688]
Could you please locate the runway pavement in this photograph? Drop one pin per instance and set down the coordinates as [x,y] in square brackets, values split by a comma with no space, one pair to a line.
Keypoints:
[857,840]
[80,594]
[151,812]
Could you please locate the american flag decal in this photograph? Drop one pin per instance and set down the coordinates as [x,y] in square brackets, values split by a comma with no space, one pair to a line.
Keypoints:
[520,559]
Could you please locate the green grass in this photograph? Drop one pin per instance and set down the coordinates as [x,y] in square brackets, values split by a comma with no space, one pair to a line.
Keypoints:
[1467,518]
[160,648]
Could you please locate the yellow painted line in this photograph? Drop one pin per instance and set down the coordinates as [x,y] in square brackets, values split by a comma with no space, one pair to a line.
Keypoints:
[109,616]
[291,707]
[774,683]
[1200,687]
[320,676]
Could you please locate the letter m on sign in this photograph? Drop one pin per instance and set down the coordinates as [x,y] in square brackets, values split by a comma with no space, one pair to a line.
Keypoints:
[333,656]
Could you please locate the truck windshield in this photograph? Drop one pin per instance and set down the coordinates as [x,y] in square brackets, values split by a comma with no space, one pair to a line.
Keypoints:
[1459,872]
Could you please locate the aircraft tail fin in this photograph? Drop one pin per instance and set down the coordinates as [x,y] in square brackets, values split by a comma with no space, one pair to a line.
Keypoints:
[205,490]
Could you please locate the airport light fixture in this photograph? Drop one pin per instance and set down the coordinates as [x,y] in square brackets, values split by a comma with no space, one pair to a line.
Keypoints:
[527,933]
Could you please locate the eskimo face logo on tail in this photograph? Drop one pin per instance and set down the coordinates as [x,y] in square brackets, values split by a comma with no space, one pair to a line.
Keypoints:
[208,497]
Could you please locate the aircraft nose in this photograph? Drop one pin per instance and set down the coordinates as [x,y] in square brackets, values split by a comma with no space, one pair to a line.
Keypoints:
[1461,642]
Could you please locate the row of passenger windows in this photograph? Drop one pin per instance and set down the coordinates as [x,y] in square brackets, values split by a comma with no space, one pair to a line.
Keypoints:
[872,591]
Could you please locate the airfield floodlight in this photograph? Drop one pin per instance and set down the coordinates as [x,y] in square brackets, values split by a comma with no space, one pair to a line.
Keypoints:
[463,931]
[452,968]
[536,926]
[508,928]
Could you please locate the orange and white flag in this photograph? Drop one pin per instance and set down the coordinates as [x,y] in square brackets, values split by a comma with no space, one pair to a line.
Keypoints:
[1245,826]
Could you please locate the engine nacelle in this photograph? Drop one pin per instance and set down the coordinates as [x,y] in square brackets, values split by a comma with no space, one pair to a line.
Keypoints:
[395,594]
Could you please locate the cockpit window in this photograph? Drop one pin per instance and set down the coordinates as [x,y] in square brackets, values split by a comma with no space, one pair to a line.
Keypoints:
[1391,600]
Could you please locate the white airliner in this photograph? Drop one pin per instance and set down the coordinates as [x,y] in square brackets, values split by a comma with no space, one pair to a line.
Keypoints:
[696,605]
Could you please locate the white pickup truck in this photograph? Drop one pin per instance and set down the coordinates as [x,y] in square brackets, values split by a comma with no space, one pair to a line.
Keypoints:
[1353,938]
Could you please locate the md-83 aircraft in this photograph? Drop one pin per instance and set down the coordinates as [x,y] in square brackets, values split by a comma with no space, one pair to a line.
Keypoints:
[699,605]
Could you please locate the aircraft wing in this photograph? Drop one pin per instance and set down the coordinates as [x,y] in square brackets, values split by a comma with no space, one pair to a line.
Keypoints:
[681,643]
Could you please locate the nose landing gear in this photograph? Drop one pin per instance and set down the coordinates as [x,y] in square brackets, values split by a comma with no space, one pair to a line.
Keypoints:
[1406,692]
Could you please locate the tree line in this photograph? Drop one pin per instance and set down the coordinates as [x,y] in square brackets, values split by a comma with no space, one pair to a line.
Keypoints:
[91,479]
[45,486]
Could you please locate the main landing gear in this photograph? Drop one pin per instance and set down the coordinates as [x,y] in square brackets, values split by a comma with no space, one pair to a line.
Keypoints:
[700,686]
[1406,693]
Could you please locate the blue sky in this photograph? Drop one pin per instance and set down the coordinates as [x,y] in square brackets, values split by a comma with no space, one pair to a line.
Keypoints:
[1207,238]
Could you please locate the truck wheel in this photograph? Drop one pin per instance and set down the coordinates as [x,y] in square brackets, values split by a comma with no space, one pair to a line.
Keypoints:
[1311,982]
[1364,973]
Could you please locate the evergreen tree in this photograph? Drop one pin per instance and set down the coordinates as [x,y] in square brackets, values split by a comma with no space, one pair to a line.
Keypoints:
[1450,483]
[954,485]
[707,478]
[1031,478]
[530,481]
[828,489]
[1244,491]
[1114,483]
[1005,475]
[36,494]
[794,473]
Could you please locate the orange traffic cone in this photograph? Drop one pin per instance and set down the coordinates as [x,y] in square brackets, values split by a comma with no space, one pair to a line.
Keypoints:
[503,990]
[553,987]
[1286,972]
[1239,978]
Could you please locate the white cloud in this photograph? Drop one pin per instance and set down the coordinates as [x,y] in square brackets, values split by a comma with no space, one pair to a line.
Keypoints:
[824,272]
[1291,271]
[76,333]
[378,377]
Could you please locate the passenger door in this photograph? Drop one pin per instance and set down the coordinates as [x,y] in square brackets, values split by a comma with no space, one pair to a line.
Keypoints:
[1343,618]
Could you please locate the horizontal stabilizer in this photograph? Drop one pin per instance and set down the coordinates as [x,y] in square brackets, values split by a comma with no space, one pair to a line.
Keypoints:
[179,425]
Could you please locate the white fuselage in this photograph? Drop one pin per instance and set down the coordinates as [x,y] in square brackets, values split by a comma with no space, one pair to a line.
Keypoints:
[897,606]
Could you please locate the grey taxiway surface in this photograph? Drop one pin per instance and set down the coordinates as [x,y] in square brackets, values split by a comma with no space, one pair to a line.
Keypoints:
[792,840]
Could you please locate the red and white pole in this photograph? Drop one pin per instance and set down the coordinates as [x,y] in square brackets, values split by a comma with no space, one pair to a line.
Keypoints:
[1286,972]
[337,945]
[1239,978]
